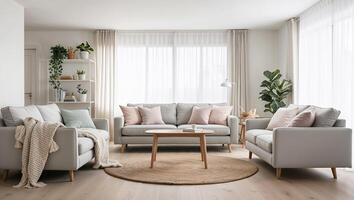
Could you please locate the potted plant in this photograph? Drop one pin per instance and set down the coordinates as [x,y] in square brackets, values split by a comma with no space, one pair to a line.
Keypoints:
[58,54]
[71,53]
[82,93]
[85,49]
[81,74]
[275,91]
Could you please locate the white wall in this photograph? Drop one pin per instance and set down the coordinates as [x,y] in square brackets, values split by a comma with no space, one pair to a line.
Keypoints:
[11,53]
[42,40]
[263,55]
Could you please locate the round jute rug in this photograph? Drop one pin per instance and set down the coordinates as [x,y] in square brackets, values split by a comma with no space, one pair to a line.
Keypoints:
[183,169]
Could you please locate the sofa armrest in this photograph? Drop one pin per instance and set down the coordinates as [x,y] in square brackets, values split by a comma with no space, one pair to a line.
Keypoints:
[118,125]
[259,123]
[66,158]
[312,147]
[233,124]
[101,124]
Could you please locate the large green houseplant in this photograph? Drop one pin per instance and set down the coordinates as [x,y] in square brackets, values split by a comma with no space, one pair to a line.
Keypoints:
[58,54]
[275,90]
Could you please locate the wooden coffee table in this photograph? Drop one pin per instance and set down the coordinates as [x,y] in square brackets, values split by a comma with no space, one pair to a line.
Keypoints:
[179,133]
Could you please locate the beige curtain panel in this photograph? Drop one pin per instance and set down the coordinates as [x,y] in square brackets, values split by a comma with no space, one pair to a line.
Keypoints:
[239,70]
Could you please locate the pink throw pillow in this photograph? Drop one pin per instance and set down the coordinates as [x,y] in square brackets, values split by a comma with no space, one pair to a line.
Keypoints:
[282,118]
[151,115]
[218,114]
[200,115]
[303,119]
[131,115]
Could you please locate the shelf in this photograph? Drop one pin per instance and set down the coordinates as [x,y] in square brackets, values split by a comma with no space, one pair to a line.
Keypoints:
[92,81]
[60,102]
[78,61]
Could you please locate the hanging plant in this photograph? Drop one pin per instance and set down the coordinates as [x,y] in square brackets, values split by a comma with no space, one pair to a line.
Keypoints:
[58,54]
[275,91]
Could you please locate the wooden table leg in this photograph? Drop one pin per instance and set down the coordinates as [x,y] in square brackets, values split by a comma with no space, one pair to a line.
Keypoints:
[156,147]
[243,135]
[154,142]
[205,152]
[201,147]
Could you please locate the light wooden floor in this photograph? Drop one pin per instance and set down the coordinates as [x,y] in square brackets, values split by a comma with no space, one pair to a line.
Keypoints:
[93,184]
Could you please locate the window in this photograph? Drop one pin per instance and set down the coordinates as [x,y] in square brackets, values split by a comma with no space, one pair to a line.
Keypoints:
[165,67]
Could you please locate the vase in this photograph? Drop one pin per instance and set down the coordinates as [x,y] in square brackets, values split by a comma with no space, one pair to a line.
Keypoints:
[59,95]
[82,97]
[82,76]
[84,55]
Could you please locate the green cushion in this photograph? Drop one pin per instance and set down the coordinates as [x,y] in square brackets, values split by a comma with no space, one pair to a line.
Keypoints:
[77,118]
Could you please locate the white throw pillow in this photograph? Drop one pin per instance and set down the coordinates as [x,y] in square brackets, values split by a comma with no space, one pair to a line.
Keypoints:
[282,118]
[200,115]
[50,113]
[151,115]
[14,116]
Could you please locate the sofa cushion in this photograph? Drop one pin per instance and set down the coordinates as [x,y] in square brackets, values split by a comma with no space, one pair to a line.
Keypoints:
[14,116]
[325,117]
[265,142]
[50,113]
[200,115]
[151,115]
[77,118]
[85,144]
[139,130]
[282,118]
[219,129]
[131,115]
[218,114]
[184,111]
[168,111]
[252,134]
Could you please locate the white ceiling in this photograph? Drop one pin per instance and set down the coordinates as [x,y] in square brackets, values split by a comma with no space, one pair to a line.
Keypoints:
[160,14]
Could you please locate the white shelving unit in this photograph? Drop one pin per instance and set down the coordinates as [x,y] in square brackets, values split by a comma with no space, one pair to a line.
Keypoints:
[70,67]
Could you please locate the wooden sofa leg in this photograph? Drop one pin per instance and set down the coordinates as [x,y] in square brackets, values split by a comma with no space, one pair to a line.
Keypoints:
[71,175]
[229,147]
[123,147]
[334,172]
[249,155]
[278,172]
[5,174]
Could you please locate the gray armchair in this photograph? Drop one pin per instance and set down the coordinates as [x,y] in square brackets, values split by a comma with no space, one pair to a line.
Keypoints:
[73,151]
[308,147]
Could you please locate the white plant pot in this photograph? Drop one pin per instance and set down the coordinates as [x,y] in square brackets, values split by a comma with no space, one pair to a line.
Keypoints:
[84,55]
[82,97]
[82,76]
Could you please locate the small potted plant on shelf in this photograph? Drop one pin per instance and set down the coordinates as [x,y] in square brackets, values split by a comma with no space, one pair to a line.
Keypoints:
[82,93]
[85,49]
[81,74]
[71,53]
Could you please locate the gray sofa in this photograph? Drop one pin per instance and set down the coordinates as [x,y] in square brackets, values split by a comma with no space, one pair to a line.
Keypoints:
[73,151]
[310,147]
[175,116]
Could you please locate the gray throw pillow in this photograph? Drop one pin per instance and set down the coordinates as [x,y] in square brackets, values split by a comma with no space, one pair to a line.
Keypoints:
[77,118]
[50,113]
[325,117]
[14,115]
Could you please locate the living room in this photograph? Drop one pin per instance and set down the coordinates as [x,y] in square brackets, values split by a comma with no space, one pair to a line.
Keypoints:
[185,99]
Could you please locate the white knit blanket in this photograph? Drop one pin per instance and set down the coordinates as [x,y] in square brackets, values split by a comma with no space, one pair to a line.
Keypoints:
[36,140]
[101,148]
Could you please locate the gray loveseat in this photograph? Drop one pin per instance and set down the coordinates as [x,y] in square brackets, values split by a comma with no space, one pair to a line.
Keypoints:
[175,116]
[73,151]
[300,147]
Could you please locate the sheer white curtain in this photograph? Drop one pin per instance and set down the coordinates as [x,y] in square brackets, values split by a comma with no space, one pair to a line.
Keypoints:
[326,65]
[105,57]
[163,66]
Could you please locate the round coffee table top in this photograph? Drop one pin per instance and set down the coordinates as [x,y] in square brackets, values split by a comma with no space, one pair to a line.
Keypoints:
[179,131]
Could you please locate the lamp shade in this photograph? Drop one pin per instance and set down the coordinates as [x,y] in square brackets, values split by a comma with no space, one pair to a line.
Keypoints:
[226,83]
